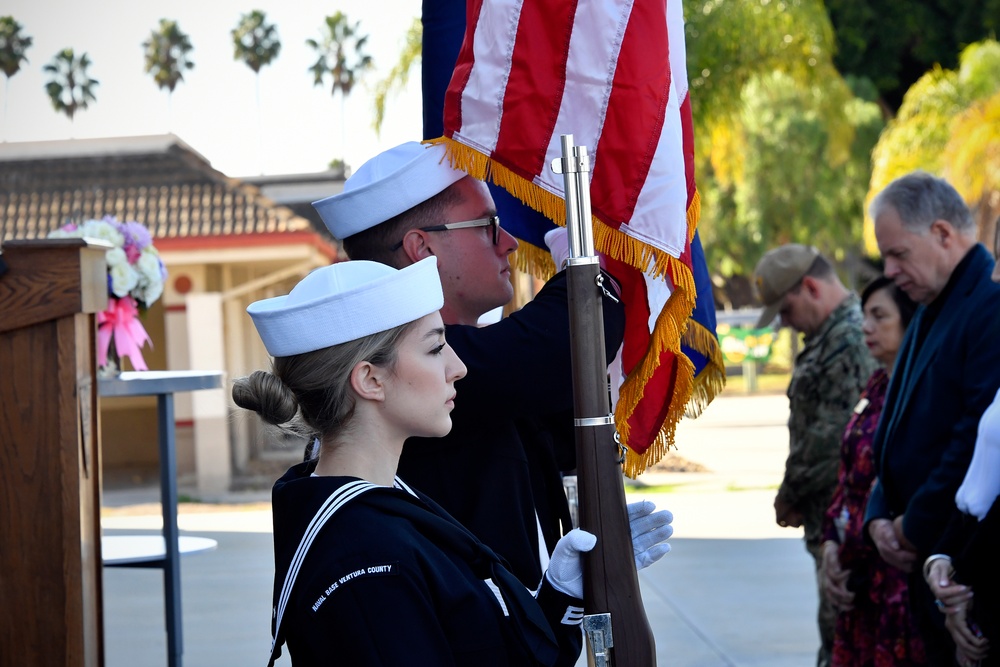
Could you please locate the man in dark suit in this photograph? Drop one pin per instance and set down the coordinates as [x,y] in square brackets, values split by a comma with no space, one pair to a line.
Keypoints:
[948,371]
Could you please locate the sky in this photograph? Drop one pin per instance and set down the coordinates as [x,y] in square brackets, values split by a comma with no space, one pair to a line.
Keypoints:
[214,110]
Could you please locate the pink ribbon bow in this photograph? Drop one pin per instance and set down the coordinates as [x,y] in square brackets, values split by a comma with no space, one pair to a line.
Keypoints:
[121,320]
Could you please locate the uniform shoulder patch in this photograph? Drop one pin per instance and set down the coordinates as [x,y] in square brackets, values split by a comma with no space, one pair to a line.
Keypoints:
[373,570]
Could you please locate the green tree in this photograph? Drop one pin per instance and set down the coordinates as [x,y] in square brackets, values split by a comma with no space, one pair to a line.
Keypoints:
[947,124]
[70,87]
[793,185]
[256,43]
[972,160]
[167,55]
[894,43]
[399,75]
[13,45]
[729,43]
[781,140]
[340,53]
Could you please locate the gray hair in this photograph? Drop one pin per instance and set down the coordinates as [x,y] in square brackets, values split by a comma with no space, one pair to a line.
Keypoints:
[309,394]
[920,198]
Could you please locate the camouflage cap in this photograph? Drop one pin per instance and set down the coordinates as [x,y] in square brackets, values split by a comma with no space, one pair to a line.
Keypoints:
[777,272]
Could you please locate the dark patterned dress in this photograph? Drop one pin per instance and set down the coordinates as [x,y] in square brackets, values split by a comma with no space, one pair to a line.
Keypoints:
[880,630]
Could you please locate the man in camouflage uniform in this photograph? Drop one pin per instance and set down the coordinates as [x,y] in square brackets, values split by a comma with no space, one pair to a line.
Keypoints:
[798,283]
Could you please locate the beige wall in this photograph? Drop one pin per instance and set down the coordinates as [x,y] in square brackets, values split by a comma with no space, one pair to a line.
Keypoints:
[129,424]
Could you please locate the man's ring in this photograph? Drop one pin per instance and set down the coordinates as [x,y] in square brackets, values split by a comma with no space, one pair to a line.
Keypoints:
[940,605]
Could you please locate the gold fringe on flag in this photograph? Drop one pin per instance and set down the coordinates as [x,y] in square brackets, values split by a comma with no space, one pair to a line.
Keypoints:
[690,394]
[666,336]
[608,240]
[712,378]
[530,259]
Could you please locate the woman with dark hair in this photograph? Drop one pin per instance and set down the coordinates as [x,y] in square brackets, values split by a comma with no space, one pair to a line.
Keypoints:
[367,570]
[874,624]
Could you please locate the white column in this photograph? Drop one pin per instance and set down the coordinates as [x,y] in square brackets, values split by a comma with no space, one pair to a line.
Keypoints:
[178,357]
[206,351]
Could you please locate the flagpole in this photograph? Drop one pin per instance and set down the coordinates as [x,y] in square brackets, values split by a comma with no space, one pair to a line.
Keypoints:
[617,632]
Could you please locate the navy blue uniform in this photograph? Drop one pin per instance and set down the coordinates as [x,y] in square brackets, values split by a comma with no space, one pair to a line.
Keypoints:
[497,467]
[392,579]
[975,549]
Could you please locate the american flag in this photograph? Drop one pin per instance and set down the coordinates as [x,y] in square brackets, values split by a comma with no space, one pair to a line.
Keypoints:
[612,73]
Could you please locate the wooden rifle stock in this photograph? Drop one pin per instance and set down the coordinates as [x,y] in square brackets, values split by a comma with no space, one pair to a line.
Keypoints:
[611,585]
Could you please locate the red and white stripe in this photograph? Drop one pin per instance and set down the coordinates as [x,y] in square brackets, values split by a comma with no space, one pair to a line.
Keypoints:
[597,69]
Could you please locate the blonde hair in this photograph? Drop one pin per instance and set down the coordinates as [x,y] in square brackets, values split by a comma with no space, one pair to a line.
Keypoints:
[309,394]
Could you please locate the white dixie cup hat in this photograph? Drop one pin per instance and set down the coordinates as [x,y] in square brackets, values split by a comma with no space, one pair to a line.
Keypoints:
[346,301]
[390,183]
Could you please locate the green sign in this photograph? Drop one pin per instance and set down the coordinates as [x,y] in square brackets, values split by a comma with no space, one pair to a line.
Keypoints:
[740,345]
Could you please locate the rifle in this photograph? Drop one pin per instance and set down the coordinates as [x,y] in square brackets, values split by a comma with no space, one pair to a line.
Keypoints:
[610,583]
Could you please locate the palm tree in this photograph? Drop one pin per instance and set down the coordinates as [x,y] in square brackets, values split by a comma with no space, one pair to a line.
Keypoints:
[12,47]
[70,88]
[256,43]
[167,56]
[400,73]
[341,54]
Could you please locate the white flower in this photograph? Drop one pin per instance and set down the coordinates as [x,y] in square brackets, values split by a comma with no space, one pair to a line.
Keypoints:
[142,280]
[99,229]
[123,279]
[150,276]
[149,266]
[116,257]
[153,292]
[66,233]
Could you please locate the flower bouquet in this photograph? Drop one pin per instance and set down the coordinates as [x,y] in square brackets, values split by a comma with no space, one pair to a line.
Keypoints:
[135,281]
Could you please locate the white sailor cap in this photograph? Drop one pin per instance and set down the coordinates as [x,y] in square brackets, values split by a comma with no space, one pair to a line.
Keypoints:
[346,301]
[386,185]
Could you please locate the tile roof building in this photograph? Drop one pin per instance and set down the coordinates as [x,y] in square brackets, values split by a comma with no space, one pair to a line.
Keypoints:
[224,244]
[158,180]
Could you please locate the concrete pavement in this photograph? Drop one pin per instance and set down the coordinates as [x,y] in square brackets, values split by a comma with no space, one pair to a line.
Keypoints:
[736,590]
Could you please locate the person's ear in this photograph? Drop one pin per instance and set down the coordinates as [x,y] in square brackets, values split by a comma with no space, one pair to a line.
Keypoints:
[943,232]
[368,381]
[417,245]
[811,286]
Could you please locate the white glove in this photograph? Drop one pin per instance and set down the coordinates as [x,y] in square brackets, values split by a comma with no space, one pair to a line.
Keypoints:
[650,532]
[565,571]
[558,242]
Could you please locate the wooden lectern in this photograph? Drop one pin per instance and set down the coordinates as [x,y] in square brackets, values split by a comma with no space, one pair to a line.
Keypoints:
[50,454]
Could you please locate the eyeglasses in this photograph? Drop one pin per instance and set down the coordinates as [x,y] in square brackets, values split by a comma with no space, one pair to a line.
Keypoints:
[492,221]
